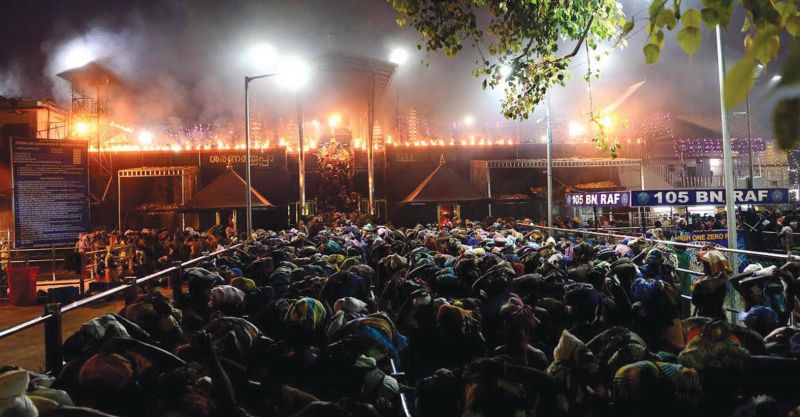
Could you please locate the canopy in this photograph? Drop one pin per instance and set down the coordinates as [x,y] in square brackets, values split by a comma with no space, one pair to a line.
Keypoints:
[225,192]
[443,185]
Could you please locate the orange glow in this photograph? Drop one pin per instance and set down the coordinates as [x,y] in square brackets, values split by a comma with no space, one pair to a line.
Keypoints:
[81,128]
[607,122]
[334,120]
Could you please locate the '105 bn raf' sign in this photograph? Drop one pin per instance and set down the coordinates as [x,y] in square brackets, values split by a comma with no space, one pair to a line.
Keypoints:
[649,198]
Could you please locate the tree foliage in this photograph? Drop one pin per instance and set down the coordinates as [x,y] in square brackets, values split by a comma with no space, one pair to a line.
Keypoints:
[766,23]
[518,41]
[524,37]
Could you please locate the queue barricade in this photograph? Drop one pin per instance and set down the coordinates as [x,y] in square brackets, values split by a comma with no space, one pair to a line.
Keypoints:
[53,313]
[52,317]
[685,299]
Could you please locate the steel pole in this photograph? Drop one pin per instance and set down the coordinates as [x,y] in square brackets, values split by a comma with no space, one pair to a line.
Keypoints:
[549,161]
[370,146]
[248,191]
[750,178]
[730,206]
[301,161]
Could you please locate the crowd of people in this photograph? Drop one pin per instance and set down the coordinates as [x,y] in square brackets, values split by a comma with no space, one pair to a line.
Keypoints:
[487,319]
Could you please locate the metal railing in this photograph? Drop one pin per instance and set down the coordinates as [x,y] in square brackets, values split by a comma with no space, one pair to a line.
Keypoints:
[615,234]
[54,254]
[51,319]
[53,335]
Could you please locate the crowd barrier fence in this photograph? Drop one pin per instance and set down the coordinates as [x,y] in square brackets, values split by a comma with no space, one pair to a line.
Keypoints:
[53,313]
[787,257]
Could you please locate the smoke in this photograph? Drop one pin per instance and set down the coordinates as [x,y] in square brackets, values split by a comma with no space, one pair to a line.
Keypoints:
[183,62]
[11,81]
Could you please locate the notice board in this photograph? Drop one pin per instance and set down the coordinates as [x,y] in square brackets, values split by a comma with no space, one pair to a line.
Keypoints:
[51,191]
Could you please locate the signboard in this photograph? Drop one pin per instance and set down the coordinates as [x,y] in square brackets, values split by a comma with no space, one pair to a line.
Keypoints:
[718,237]
[51,191]
[270,158]
[606,198]
[650,198]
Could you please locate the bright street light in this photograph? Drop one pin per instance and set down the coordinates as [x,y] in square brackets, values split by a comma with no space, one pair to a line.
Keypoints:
[263,57]
[77,55]
[398,56]
[294,73]
[469,120]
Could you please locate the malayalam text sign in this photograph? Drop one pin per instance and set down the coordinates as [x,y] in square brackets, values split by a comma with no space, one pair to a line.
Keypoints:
[716,197]
[51,191]
[606,198]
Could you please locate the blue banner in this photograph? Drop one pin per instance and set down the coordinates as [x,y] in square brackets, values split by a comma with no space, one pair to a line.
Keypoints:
[718,237]
[716,197]
[606,198]
[51,191]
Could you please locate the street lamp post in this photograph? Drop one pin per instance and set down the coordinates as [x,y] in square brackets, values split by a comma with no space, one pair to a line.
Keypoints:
[301,159]
[249,191]
[730,207]
[549,162]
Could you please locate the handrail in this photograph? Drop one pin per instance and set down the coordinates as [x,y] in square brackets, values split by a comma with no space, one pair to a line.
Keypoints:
[670,242]
[80,303]
[74,305]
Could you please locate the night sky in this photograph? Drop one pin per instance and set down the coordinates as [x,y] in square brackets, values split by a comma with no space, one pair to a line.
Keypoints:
[189,56]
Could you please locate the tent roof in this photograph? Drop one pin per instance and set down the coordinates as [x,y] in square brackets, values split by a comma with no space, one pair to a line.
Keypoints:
[357,69]
[443,185]
[710,126]
[225,192]
[89,75]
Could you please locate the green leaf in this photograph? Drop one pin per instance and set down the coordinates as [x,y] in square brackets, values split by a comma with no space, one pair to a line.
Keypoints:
[691,18]
[784,9]
[786,124]
[629,25]
[689,38]
[651,53]
[667,19]
[739,80]
[793,25]
[657,38]
[766,48]
[655,9]
[710,16]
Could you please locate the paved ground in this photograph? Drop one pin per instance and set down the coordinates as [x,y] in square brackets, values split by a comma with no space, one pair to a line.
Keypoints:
[26,348]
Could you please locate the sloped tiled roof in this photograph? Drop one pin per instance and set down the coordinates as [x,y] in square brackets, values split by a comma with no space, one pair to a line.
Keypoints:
[225,192]
[710,126]
[443,185]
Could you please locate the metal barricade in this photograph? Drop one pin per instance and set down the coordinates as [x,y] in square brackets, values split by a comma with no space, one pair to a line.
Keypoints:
[53,335]
[617,234]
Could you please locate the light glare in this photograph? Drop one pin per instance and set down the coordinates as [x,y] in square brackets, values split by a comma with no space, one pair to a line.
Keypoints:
[294,73]
[263,57]
[145,138]
[398,56]
[77,56]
